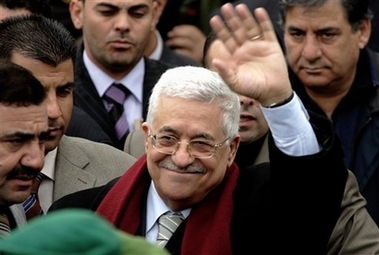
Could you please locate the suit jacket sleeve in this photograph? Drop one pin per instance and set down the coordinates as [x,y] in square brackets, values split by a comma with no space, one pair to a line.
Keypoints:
[306,193]
[355,231]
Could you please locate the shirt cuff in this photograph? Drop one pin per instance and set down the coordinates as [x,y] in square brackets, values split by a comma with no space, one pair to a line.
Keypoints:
[291,129]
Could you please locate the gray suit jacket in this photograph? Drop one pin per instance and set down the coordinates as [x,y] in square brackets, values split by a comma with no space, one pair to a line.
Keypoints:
[83,164]
[135,143]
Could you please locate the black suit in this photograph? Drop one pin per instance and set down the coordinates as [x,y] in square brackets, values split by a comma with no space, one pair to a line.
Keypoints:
[87,98]
[82,125]
[290,205]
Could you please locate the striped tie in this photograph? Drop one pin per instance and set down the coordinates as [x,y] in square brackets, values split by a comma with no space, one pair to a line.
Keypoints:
[31,205]
[167,224]
[4,225]
[115,97]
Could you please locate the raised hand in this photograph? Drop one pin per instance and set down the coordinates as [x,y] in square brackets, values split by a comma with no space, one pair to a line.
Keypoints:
[256,66]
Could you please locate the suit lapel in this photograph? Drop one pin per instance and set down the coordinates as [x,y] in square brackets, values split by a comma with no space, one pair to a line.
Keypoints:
[263,155]
[69,169]
[87,98]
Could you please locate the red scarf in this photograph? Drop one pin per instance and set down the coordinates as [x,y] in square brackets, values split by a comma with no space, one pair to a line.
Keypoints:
[208,226]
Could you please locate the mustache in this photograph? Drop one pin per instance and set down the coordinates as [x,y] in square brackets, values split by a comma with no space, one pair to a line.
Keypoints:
[168,164]
[25,171]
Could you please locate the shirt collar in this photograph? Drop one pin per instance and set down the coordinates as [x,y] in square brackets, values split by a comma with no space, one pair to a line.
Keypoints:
[133,80]
[156,207]
[49,166]
[157,53]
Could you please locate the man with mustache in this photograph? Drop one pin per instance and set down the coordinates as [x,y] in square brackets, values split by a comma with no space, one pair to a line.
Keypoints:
[81,124]
[23,131]
[46,48]
[115,35]
[336,75]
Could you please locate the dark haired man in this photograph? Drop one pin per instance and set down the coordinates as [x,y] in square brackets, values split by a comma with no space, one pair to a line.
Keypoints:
[336,75]
[24,129]
[47,49]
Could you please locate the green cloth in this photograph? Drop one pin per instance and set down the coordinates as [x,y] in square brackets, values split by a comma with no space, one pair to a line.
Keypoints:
[74,232]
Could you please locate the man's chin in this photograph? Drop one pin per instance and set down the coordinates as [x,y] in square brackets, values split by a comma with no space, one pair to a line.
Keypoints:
[18,198]
[51,145]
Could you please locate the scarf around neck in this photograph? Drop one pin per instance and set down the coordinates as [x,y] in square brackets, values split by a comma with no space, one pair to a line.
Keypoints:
[207,230]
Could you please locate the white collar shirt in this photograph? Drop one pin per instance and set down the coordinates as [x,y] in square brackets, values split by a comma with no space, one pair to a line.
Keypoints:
[155,208]
[158,51]
[46,188]
[132,81]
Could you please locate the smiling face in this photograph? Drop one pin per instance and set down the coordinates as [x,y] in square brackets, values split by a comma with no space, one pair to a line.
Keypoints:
[22,133]
[322,48]
[173,175]
[58,82]
[115,33]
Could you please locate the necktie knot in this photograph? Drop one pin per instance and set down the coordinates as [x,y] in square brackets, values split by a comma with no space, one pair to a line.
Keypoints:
[115,97]
[167,224]
[116,93]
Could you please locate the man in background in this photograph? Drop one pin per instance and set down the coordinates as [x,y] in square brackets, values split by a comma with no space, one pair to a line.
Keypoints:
[111,62]
[23,131]
[336,75]
[47,49]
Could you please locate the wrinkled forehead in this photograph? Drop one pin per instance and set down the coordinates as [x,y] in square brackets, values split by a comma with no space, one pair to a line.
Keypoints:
[188,116]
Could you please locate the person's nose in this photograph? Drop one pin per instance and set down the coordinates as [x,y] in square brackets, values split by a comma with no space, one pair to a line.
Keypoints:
[53,108]
[182,156]
[245,101]
[35,155]
[122,22]
[311,48]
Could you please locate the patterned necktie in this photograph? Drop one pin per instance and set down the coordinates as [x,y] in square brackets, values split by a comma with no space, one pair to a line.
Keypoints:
[167,224]
[116,96]
[31,205]
[4,225]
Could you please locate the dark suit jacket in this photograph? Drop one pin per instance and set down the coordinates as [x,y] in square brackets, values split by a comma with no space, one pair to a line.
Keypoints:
[374,38]
[87,98]
[290,205]
[83,126]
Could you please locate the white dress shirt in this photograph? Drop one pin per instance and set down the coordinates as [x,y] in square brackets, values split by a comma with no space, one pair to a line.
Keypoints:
[292,132]
[155,208]
[157,53]
[132,81]
[46,188]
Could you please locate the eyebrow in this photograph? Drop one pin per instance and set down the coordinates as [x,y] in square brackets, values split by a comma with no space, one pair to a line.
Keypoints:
[198,135]
[26,136]
[109,5]
[68,85]
[321,30]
